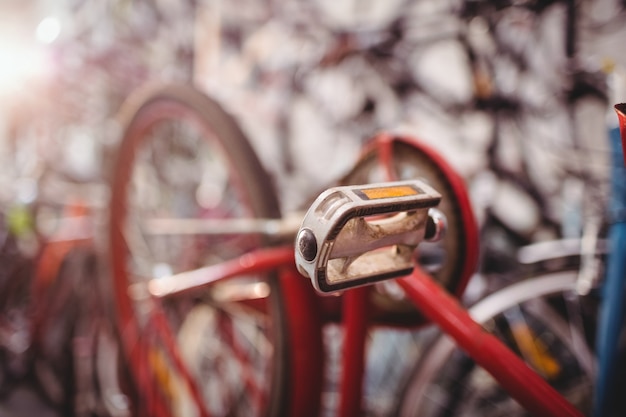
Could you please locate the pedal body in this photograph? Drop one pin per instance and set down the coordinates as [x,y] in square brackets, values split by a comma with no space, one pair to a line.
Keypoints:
[358,235]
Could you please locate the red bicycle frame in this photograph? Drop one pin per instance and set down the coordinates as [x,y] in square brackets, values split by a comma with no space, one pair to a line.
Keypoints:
[306,315]
[517,378]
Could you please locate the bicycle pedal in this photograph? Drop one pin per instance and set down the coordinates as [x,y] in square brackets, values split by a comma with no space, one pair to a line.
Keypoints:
[357,235]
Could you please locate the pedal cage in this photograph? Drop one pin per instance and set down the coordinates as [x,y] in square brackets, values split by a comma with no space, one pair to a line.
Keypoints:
[357,235]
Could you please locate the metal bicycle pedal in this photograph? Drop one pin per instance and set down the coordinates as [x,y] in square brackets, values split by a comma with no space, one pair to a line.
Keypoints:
[357,235]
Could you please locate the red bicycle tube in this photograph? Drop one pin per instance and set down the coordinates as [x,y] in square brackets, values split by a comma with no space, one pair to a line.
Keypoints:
[306,348]
[355,321]
[517,378]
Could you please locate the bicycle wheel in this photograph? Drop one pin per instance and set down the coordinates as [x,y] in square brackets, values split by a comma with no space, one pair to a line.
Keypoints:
[219,350]
[543,320]
[453,259]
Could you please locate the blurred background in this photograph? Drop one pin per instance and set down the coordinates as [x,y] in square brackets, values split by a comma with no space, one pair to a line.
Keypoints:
[506,90]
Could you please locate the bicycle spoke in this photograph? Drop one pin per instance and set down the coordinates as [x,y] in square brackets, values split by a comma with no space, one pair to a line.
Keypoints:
[162,329]
[251,381]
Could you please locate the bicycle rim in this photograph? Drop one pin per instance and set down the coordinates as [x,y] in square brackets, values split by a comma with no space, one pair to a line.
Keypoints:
[446,382]
[218,351]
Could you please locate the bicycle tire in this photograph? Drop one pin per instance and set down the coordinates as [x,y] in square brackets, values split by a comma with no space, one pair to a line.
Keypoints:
[248,185]
[431,390]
